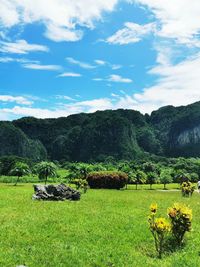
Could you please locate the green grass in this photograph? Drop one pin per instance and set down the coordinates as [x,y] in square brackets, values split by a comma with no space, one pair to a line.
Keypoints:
[106,228]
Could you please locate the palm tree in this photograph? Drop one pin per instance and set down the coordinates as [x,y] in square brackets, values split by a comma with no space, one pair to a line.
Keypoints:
[45,170]
[20,169]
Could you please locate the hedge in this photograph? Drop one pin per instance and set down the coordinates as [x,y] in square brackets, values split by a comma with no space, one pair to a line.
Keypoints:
[107,179]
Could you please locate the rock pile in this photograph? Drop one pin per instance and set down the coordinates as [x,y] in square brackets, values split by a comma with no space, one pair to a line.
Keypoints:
[55,192]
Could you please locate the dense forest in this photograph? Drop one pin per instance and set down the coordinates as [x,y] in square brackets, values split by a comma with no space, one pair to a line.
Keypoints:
[121,134]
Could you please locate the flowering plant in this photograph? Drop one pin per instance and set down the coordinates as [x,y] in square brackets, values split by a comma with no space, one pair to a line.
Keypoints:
[159,228]
[187,189]
[181,219]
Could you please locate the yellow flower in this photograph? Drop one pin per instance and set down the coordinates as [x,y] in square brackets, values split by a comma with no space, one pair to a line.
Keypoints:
[153,208]
[162,225]
[180,210]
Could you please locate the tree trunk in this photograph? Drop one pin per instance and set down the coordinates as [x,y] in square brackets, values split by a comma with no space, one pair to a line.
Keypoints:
[46,179]
[17,181]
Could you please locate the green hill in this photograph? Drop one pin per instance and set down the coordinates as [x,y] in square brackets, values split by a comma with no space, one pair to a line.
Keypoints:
[122,134]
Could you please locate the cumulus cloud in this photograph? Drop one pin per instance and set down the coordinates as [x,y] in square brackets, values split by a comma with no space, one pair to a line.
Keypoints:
[178,19]
[60,17]
[65,110]
[17,99]
[21,47]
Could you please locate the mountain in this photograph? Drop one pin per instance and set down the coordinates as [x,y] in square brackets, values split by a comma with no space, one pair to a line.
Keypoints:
[123,134]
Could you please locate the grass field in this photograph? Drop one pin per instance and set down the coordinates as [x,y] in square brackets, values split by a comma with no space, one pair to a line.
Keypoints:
[106,228]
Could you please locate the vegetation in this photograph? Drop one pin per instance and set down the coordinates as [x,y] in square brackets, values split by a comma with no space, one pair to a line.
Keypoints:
[118,134]
[187,189]
[159,228]
[121,149]
[74,234]
[45,170]
[20,169]
[107,179]
[181,219]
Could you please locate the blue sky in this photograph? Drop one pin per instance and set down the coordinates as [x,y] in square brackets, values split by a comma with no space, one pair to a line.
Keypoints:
[63,57]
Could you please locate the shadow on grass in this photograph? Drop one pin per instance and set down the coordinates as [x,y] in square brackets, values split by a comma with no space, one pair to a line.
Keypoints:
[169,248]
[15,186]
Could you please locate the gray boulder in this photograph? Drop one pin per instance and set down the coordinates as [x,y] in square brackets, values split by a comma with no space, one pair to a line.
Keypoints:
[55,192]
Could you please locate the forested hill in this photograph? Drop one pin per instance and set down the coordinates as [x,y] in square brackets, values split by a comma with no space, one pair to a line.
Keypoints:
[122,134]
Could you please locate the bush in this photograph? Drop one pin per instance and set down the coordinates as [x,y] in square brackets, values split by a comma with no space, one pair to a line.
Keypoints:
[107,179]
[180,222]
[187,189]
[181,219]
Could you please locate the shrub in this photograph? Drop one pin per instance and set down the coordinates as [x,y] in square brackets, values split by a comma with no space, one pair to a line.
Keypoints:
[181,219]
[187,189]
[159,228]
[80,184]
[107,179]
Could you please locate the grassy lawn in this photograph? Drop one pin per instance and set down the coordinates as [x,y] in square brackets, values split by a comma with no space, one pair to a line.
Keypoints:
[106,228]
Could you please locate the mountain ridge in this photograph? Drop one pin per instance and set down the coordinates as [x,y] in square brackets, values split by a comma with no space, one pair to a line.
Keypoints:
[123,134]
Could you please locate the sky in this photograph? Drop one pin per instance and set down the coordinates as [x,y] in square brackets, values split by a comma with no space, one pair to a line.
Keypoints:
[62,57]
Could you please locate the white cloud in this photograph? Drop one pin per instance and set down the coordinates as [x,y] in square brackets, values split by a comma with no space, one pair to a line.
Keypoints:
[67,109]
[116,67]
[118,79]
[70,74]
[100,62]
[81,64]
[178,84]
[17,99]
[42,67]
[131,33]
[35,112]
[65,97]
[21,47]
[59,34]
[178,19]
[98,79]
[60,17]
[6,59]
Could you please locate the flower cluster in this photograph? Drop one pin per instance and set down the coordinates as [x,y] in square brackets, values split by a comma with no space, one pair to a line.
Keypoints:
[162,225]
[159,227]
[181,219]
[180,222]
[187,189]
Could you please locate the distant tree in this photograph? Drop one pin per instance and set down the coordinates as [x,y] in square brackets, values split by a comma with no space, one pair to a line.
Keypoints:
[166,176]
[194,177]
[125,167]
[180,176]
[149,167]
[152,178]
[20,169]
[45,170]
[140,178]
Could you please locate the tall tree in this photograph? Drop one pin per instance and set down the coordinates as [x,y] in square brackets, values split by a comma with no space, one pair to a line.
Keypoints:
[45,170]
[20,169]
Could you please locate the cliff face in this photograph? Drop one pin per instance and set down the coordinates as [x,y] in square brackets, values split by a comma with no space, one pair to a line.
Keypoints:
[189,136]
[122,134]
[14,141]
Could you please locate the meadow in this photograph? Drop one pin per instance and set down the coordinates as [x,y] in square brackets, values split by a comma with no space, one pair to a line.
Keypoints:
[105,228]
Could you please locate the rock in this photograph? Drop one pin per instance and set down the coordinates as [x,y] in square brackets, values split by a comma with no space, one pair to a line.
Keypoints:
[55,192]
